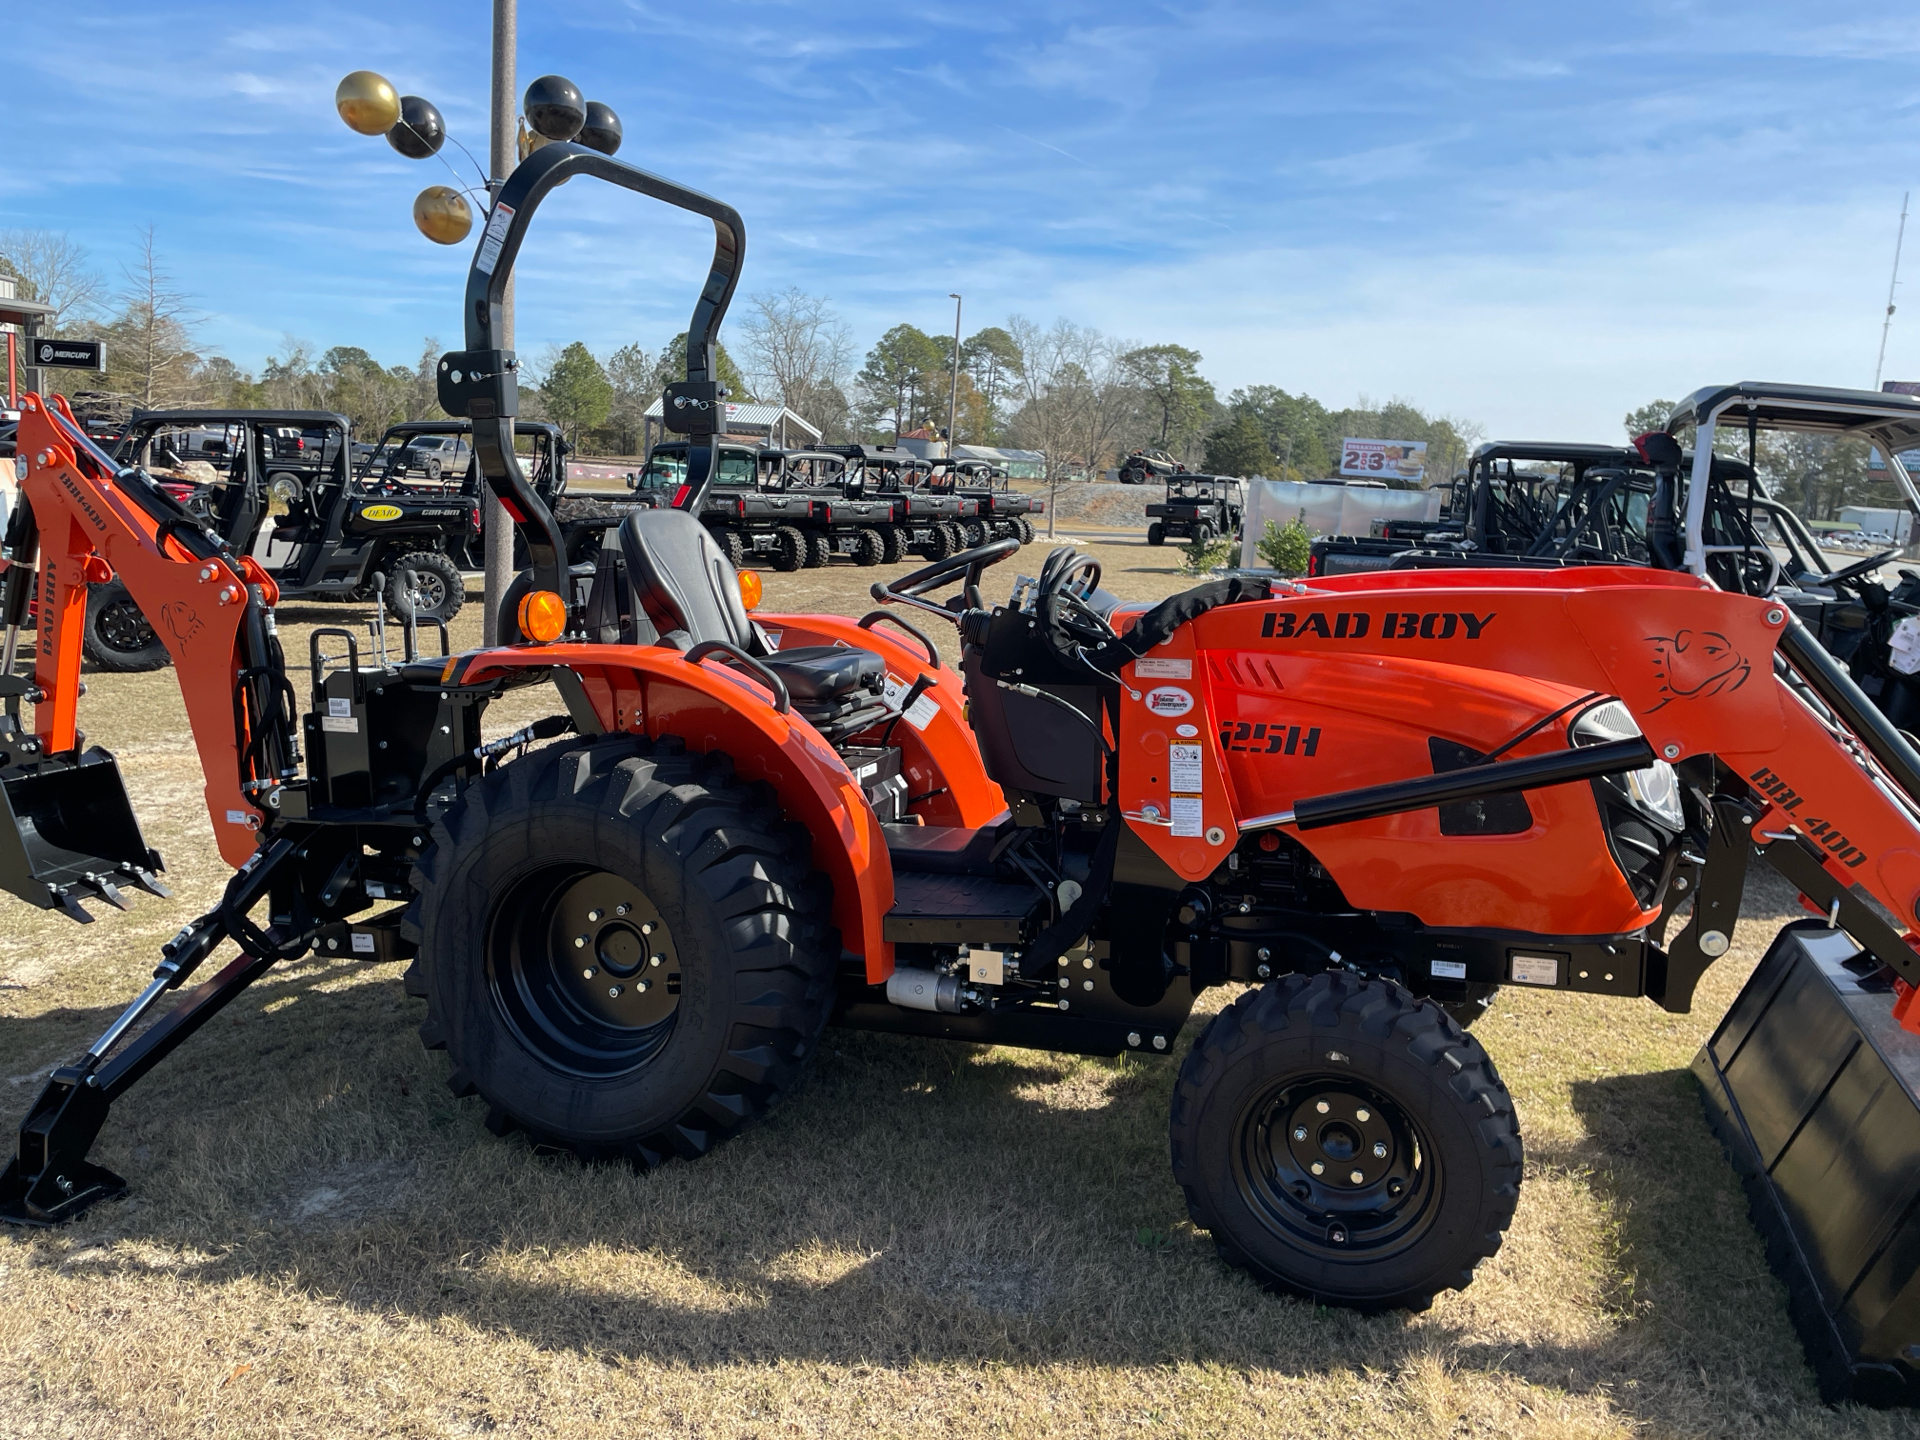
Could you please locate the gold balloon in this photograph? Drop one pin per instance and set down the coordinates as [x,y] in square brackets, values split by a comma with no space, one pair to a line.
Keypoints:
[367,102]
[443,215]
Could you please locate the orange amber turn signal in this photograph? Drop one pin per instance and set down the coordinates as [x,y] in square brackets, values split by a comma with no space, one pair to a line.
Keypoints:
[751,588]
[542,616]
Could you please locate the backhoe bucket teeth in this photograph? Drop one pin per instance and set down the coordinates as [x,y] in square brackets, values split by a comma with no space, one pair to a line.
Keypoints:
[68,834]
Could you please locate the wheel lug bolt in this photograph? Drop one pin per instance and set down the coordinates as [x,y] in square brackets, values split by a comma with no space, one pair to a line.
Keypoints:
[657,960]
[579,942]
[1356,1177]
[593,915]
[641,986]
[646,927]
[1317,1168]
[621,909]
[613,992]
[1379,1149]
[1363,1116]
[1323,1107]
[1299,1132]
[588,973]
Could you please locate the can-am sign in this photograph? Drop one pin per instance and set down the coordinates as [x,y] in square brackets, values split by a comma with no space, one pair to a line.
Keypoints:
[1384,459]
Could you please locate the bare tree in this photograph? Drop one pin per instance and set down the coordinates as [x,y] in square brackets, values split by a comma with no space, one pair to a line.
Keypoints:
[1071,398]
[150,346]
[54,269]
[801,352]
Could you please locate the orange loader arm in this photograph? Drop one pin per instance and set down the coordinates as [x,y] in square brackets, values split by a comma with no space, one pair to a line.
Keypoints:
[90,522]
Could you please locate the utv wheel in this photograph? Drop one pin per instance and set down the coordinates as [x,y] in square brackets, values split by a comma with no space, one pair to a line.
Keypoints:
[624,950]
[893,549]
[868,548]
[819,549]
[1023,527]
[118,636]
[973,534]
[790,549]
[1413,1133]
[734,544]
[1156,534]
[437,592]
[285,488]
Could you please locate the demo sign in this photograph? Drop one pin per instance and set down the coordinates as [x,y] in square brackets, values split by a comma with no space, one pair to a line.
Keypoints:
[69,354]
[1384,459]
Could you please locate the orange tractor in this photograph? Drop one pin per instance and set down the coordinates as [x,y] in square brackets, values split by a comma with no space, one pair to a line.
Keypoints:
[1367,802]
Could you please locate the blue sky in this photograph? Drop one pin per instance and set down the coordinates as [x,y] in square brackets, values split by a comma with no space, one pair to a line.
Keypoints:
[1531,216]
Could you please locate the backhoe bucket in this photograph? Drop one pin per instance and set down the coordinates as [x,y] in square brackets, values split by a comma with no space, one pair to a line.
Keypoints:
[67,833]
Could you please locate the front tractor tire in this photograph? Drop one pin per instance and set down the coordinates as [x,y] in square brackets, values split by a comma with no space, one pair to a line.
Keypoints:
[624,951]
[1347,1142]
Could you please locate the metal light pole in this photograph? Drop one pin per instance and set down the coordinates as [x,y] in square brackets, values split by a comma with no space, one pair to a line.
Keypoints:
[501,160]
[953,391]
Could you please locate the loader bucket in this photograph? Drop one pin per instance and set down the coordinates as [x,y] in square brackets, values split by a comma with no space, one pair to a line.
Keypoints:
[67,833]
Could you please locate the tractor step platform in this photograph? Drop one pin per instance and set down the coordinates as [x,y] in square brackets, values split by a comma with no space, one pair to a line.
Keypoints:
[962,910]
[1814,1089]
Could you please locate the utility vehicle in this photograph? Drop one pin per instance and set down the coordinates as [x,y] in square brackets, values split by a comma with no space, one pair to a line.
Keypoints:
[1198,507]
[337,534]
[1356,801]
[1142,467]
[1001,509]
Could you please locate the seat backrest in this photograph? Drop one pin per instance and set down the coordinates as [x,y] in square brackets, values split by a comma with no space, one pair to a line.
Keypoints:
[682,579]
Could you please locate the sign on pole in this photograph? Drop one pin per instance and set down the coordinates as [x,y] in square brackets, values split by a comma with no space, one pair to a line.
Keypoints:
[1384,459]
[71,354]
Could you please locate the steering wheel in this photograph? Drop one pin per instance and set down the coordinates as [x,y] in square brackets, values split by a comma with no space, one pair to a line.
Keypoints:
[912,589]
[1858,569]
[1066,581]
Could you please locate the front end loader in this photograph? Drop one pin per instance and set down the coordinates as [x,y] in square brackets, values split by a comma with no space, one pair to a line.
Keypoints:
[1365,802]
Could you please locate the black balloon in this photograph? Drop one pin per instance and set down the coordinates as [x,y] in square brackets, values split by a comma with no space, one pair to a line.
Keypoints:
[602,130]
[554,107]
[420,131]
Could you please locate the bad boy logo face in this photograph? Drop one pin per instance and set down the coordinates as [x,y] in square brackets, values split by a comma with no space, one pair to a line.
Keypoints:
[1694,664]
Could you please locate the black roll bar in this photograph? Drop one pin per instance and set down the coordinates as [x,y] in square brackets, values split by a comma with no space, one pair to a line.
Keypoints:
[486,389]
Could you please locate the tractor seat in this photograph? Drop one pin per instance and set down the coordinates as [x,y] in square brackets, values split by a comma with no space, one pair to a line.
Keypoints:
[681,578]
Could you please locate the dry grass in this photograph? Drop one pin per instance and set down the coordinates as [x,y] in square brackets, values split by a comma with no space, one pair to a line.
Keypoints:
[925,1239]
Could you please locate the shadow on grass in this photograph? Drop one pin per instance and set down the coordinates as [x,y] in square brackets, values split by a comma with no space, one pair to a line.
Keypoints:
[911,1201]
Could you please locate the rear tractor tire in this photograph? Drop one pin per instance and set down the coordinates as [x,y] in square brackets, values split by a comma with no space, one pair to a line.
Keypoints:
[118,635]
[1345,1141]
[789,550]
[624,950]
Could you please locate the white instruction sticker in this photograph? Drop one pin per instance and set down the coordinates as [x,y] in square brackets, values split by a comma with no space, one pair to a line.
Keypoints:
[362,943]
[238,817]
[341,724]
[1188,821]
[919,714]
[1163,669]
[1535,969]
[337,706]
[1448,969]
[1184,771]
[496,235]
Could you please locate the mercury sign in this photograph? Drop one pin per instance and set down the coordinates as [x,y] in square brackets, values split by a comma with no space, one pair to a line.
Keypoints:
[1384,459]
[68,354]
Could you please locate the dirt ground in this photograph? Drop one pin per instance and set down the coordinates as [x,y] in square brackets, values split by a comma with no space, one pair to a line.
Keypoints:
[924,1240]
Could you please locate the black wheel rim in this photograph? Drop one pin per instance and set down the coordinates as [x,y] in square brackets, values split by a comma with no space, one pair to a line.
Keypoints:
[122,627]
[584,970]
[1378,1187]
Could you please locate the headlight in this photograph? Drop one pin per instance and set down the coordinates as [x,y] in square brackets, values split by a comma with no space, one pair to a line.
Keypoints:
[1656,789]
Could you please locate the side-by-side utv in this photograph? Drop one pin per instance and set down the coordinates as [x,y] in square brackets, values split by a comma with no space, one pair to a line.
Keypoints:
[1361,802]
